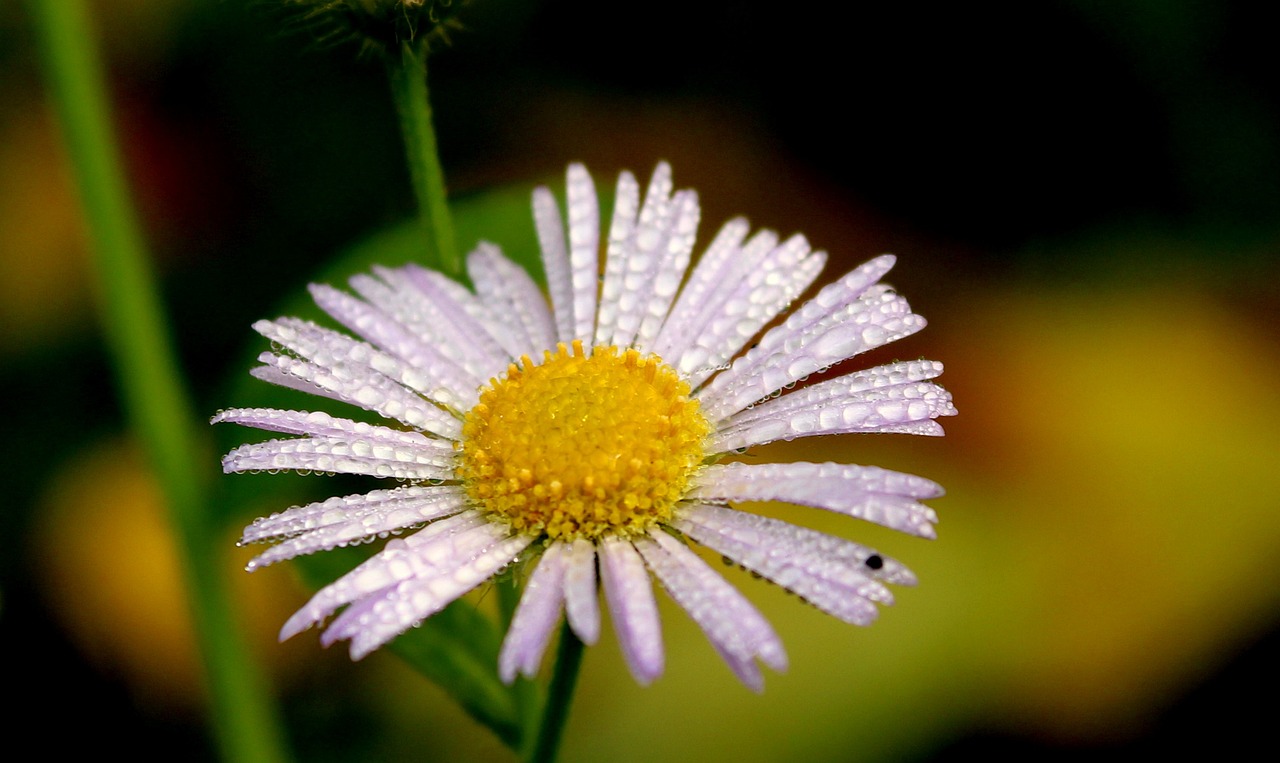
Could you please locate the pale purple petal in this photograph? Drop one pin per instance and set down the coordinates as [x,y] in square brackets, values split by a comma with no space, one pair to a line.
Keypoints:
[634,611]
[877,495]
[647,259]
[746,671]
[420,501]
[384,331]
[330,349]
[583,211]
[489,307]
[760,296]
[845,319]
[555,261]
[411,309]
[646,253]
[928,428]
[272,375]
[484,332]
[672,265]
[837,576]
[412,601]
[709,274]
[875,319]
[509,290]
[437,549]
[321,424]
[859,385]
[626,208]
[535,617]
[730,284]
[802,544]
[581,599]
[341,455]
[830,299]
[395,293]
[344,521]
[462,319]
[365,388]
[827,409]
[732,624]
[627,290]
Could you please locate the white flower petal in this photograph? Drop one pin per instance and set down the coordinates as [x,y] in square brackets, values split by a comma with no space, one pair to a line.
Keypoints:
[866,385]
[341,455]
[634,611]
[382,330]
[672,263]
[846,318]
[877,495]
[363,387]
[504,337]
[555,261]
[382,618]
[321,424]
[718,275]
[581,599]
[647,256]
[747,671]
[394,294]
[835,575]
[438,549]
[456,315]
[712,273]
[345,521]
[535,617]
[732,624]
[765,292]
[626,208]
[828,408]
[583,211]
[329,349]
[419,501]
[509,290]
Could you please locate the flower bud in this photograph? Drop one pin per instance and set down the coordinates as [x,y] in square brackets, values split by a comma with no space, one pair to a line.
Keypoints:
[379,26]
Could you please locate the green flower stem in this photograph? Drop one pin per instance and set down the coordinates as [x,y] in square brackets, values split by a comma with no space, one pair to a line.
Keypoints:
[155,401]
[408,77]
[556,711]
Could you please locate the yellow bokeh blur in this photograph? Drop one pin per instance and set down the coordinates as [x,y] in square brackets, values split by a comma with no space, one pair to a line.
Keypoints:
[108,564]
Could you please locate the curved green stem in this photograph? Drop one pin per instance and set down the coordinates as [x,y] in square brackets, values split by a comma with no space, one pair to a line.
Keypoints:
[555,713]
[147,373]
[408,75]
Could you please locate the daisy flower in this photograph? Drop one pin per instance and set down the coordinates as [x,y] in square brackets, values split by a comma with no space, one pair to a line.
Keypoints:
[586,438]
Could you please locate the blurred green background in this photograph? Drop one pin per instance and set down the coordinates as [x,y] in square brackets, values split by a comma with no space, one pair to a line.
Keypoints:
[1085,199]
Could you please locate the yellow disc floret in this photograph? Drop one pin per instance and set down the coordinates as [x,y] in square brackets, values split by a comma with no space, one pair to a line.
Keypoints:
[582,446]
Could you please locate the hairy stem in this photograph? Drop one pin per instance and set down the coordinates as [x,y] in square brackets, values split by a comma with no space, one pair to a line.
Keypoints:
[408,76]
[555,713]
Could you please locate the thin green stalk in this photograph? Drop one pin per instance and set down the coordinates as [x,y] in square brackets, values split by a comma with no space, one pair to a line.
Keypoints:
[148,378]
[559,695]
[408,76]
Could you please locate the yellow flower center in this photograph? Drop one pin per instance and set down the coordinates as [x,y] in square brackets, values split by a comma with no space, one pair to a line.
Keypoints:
[582,447]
